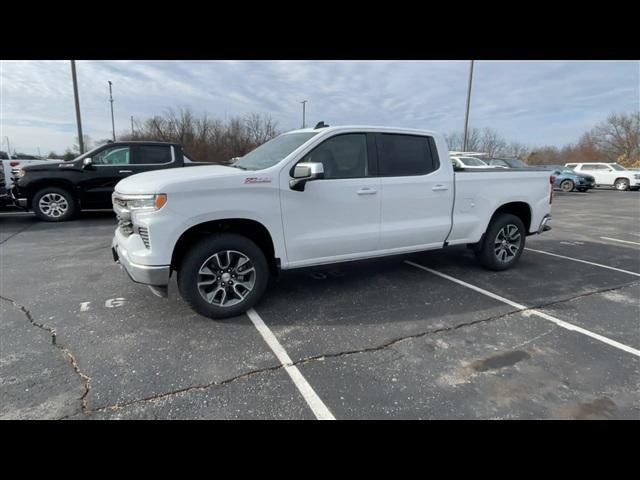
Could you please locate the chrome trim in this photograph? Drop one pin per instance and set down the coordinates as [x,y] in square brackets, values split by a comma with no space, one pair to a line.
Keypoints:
[543,224]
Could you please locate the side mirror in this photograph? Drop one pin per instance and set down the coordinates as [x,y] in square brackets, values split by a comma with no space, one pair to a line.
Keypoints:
[87,162]
[305,172]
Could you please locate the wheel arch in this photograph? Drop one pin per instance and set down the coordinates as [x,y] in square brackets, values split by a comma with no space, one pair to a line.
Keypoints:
[53,183]
[522,210]
[252,229]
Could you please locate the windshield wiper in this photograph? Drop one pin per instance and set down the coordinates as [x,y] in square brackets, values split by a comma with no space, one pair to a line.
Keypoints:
[238,166]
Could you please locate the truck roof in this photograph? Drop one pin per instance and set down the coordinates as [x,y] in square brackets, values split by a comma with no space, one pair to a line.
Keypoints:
[364,128]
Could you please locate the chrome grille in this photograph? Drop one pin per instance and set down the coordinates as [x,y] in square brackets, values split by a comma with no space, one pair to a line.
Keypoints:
[144,234]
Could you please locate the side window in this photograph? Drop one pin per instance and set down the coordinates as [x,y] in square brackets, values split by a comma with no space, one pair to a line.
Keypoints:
[588,167]
[112,156]
[405,155]
[154,154]
[342,156]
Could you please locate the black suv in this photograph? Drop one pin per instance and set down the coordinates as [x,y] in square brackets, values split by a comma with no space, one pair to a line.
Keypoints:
[57,191]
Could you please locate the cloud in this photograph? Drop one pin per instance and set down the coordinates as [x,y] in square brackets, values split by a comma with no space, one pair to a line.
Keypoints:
[535,102]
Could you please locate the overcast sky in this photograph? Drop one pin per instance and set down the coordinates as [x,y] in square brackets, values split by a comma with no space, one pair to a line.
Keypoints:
[534,102]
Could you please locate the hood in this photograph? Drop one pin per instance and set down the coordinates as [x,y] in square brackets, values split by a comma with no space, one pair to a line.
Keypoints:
[175,179]
[44,166]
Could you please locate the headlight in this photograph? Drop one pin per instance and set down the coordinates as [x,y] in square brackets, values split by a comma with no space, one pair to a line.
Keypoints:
[145,202]
[21,173]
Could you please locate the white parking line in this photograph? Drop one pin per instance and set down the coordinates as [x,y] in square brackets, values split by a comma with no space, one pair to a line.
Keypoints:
[557,321]
[583,261]
[316,405]
[617,240]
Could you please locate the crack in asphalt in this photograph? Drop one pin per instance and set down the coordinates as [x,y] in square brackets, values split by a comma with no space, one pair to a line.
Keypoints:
[16,233]
[321,357]
[65,351]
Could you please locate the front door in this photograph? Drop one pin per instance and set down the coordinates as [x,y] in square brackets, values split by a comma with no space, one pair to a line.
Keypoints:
[337,217]
[109,166]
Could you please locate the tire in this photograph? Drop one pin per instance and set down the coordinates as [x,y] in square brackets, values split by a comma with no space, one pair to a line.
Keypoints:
[621,184]
[53,204]
[229,294]
[567,185]
[492,257]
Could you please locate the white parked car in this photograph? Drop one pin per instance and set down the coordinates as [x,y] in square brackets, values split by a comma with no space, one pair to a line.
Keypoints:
[317,196]
[11,167]
[608,174]
[463,162]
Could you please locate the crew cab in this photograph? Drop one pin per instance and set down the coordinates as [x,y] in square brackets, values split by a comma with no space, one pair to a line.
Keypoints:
[57,191]
[608,174]
[317,196]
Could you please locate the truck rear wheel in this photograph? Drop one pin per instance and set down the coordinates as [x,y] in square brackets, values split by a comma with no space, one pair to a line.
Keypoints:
[53,204]
[223,276]
[503,242]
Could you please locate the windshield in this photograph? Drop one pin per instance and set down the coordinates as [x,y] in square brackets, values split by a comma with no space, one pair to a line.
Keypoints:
[472,162]
[615,166]
[270,153]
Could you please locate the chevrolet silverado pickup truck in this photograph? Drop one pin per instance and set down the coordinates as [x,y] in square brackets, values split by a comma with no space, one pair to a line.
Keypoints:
[317,196]
[57,190]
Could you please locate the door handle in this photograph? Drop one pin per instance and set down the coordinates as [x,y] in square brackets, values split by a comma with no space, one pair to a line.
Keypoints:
[439,187]
[125,171]
[367,191]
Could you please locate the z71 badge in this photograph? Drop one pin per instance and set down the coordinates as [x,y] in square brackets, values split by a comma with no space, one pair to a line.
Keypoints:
[257,180]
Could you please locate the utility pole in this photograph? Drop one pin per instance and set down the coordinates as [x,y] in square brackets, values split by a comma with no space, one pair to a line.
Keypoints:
[466,115]
[77,100]
[8,146]
[113,125]
[303,102]
[132,125]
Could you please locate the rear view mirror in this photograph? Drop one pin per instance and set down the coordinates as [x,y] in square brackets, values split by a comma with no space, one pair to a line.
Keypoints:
[305,172]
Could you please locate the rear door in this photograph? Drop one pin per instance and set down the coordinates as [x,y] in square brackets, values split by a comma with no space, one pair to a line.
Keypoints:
[601,173]
[417,192]
[149,157]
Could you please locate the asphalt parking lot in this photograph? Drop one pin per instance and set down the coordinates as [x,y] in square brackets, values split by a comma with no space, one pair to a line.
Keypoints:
[425,336]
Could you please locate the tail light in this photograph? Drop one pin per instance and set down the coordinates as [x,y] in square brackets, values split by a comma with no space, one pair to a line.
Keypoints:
[14,163]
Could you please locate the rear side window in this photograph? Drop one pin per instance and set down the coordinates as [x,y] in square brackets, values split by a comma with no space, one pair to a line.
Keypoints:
[405,155]
[153,154]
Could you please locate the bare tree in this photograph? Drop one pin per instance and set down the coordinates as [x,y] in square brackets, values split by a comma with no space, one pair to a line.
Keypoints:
[618,137]
[204,138]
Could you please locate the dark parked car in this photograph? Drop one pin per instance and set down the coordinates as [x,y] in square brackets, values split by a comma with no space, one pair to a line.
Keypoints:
[5,197]
[57,191]
[507,162]
[567,180]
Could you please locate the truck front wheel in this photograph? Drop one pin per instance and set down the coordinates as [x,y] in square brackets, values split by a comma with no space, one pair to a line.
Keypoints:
[53,204]
[503,242]
[223,275]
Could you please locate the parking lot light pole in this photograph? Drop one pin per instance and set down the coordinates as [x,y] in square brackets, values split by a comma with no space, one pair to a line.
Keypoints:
[466,115]
[77,100]
[113,125]
[303,102]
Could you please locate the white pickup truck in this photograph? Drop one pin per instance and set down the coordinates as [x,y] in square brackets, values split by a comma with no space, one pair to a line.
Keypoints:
[317,196]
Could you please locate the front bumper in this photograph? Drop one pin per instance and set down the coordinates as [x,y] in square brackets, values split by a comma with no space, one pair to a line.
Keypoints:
[148,275]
